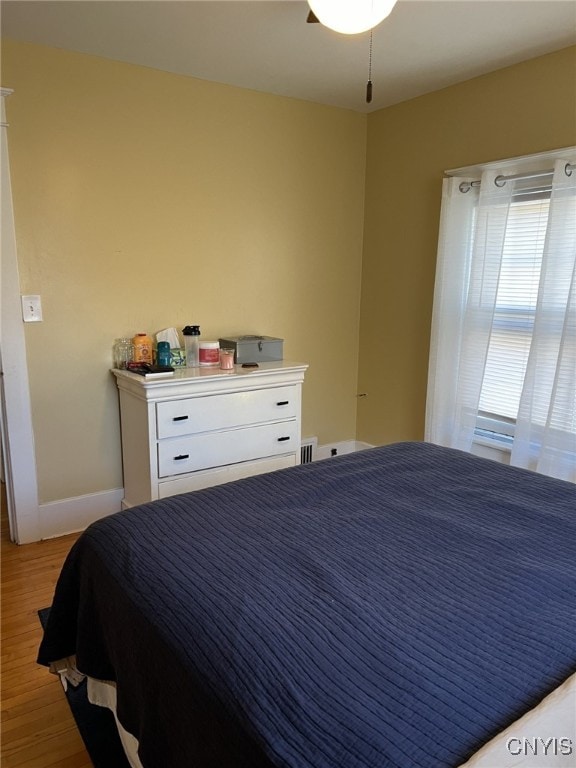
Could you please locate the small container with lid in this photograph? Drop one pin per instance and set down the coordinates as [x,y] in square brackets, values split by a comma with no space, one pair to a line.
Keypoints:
[209,354]
[191,335]
[142,348]
[163,353]
[123,353]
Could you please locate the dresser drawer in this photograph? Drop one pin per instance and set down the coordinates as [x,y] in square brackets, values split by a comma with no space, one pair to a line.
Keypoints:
[194,452]
[225,411]
[195,481]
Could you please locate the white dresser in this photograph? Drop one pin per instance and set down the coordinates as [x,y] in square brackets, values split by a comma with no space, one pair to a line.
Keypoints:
[204,426]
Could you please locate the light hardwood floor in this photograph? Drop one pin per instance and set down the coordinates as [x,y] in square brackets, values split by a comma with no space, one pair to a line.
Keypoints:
[37,728]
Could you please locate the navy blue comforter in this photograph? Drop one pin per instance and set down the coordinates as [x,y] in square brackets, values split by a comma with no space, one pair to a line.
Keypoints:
[394,607]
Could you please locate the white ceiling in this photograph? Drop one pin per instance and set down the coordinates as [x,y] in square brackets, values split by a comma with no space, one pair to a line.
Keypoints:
[267,45]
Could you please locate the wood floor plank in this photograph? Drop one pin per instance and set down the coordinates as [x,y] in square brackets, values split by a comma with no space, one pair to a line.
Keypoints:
[38,730]
[27,693]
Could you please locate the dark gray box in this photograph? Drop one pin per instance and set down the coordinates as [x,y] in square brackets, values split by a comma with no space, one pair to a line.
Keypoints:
[254,349]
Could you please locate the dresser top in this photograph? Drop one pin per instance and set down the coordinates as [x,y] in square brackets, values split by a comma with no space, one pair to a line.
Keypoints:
[207,379]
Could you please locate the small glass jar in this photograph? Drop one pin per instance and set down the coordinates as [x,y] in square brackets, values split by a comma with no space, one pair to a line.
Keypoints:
[123,353]
[226,359]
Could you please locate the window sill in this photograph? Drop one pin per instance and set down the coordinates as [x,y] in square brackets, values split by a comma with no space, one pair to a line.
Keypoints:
[492,448]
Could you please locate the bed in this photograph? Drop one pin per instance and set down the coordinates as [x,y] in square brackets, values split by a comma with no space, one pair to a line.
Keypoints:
[399,606]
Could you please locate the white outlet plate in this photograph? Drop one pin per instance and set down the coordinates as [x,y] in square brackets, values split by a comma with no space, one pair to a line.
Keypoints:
[31,309]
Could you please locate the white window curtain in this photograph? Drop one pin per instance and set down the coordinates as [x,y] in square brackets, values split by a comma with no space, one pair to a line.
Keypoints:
[545,435]
[473,232]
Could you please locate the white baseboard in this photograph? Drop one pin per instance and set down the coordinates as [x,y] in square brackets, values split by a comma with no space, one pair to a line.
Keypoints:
[361,446]
[57,518]
[345,446]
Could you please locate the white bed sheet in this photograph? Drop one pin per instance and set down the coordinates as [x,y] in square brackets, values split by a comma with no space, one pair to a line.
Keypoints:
[103,694]
[545,737]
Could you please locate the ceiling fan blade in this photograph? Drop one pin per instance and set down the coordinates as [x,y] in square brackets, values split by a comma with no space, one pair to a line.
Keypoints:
[312,18]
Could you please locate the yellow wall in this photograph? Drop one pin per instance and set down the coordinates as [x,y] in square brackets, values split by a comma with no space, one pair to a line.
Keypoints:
[145,200]
[524,109]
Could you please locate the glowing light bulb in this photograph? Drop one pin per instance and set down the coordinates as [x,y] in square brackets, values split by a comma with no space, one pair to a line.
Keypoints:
[350,17]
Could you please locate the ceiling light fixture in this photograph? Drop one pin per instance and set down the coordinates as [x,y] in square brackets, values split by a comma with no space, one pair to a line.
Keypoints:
[350,17]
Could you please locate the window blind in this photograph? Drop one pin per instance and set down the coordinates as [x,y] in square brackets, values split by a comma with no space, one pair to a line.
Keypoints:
[516,299]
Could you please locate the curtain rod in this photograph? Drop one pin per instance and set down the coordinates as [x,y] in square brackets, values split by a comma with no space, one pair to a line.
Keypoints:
[465,186]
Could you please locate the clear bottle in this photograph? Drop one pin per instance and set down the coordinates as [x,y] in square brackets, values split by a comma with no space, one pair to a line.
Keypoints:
[142,348]
[123,352]
[191,334]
